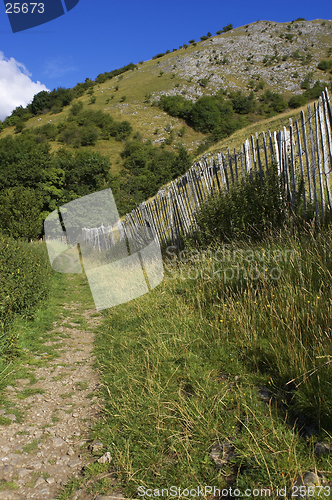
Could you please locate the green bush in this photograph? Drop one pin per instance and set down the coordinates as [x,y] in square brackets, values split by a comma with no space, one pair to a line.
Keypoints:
[20,214]
[25,278]
[272,103]
[297,101]
[229,27]
[116,72]
[315,92]
[243,104]
[47,132]
[176,106]
[247,209]
[325,65]
[76,108]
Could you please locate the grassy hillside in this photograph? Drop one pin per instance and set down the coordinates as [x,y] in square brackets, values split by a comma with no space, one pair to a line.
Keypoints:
[278,56]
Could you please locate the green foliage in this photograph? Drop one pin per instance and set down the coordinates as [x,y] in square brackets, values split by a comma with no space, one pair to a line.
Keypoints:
[296,101]
[248,209]
[229,27]
[307,81]
[93,99]
[20,214]
[205,114]
[47,132]
[203,82]
[25,280]
[86,172]
[19,127]
[315,92]
[55,178]
[325,65]
[243,104]
[146,169]
[71,135]
[81,88]
[103,77]
[176,106]
[76,108]
[272,103]
[82,129]
[46,100]
[22,161]
[158,55]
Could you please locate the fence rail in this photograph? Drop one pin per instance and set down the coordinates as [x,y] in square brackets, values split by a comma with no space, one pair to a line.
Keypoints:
[302,152]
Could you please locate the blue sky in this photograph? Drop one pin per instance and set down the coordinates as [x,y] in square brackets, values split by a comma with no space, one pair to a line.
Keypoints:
[101,35]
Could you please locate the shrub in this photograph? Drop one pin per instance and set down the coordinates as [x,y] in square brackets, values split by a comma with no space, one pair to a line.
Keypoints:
[76,108]
[315,92]
[248,209]
[19,126]
[25,281]
[273,102]
[243,104]
[325,65]
[20,214]
[229,27]
[205,114]
[116,72]
[89,136]
[297,101]
[176,106]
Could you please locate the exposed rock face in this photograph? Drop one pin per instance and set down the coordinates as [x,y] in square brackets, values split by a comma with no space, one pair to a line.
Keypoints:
[282,54]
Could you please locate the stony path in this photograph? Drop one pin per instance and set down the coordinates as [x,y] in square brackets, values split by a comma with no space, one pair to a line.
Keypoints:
[40,455]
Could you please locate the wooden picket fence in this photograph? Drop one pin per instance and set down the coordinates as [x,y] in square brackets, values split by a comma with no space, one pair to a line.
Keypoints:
[302,151]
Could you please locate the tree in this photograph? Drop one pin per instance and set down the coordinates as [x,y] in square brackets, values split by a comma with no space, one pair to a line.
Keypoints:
[19,126]
[205,114]
[241,103]
[229,27]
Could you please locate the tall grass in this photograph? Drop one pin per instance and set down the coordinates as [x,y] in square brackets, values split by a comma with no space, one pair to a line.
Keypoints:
[183,365]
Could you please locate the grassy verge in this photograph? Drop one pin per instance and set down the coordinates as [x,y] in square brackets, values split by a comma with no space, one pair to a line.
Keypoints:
[231,352]
[29,332]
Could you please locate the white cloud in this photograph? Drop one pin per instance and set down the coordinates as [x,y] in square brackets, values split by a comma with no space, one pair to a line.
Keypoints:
[16,86]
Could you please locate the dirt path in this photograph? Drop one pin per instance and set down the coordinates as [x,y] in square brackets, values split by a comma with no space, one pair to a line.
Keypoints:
[40,455]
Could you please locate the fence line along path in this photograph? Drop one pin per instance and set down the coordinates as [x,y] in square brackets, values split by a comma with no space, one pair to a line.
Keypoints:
[302,152]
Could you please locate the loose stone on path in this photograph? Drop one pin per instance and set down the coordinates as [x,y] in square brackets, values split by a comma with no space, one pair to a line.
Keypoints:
[42,453]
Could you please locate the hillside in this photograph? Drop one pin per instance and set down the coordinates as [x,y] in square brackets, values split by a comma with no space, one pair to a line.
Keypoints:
[245,76]
[280,55]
